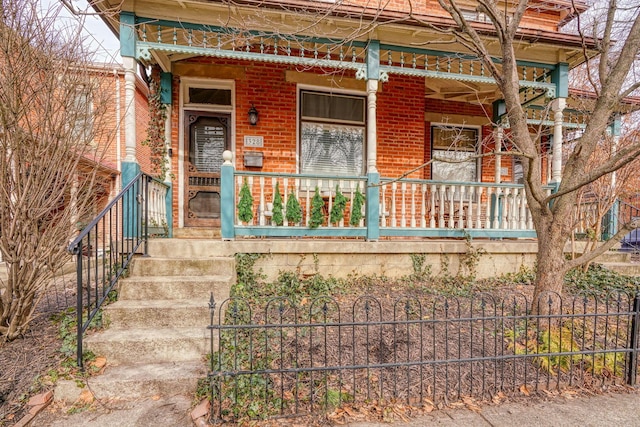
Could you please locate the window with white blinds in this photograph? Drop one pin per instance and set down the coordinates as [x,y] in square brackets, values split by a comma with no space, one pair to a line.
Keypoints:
[332,133]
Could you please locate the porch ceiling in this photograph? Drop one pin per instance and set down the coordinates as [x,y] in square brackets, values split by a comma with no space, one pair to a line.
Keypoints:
[453,90]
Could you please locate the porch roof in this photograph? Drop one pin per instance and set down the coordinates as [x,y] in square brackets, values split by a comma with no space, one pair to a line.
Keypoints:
[352,21]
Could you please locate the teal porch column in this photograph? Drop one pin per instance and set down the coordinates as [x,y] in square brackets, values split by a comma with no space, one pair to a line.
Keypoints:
[168,202]
[373,206]
[227,198]
[609,222]
[131,210]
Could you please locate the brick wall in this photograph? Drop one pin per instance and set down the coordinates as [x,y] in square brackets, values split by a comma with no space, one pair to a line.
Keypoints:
[403,135]
[400,126]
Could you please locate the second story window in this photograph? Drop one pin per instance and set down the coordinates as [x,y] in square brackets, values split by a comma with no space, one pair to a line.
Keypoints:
[82,115]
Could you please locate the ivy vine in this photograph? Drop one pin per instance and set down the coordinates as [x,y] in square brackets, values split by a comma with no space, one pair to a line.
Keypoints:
[156,129]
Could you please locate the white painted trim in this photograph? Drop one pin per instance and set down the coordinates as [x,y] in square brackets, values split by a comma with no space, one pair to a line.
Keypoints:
[185,83]
[324,89]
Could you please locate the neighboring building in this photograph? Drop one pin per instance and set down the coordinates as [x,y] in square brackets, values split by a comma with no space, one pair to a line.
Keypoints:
[305,105]
[109,140]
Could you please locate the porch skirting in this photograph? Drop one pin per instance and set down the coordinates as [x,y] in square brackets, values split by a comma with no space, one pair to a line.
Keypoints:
[391,258]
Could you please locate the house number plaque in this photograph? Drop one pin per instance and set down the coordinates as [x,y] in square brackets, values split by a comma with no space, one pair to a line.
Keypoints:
[253,141]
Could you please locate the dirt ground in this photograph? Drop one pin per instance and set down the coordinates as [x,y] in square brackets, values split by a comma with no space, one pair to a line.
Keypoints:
[21,363]
[25,362]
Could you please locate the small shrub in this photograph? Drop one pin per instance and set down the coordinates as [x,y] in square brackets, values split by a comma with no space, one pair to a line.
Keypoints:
[277,217]
[245,205]
[356,208]
[339,205]
[294,210]
[317,205]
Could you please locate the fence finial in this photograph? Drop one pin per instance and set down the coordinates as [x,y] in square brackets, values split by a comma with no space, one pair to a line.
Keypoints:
[212,303]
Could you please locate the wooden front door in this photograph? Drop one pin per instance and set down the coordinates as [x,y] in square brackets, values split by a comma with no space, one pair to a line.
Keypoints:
[207,136]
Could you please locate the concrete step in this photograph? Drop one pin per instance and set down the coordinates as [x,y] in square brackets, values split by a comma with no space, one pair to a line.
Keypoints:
[614,256]
[189,248]
[168,287]
[158,314]
[196,233]
[626,268]
[130,346]
[141,380]
[187,266]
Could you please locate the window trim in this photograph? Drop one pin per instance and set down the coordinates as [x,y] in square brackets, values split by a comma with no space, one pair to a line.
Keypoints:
[328,91]
[187,84]
[477,129]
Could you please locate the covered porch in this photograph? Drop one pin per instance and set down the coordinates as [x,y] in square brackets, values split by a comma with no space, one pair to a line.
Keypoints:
[427,139]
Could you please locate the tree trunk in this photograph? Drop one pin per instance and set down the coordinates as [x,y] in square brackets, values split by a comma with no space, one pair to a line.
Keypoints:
[551,269]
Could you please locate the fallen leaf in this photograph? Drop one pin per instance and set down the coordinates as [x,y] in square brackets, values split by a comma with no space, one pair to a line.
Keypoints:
[86,397]
[524,390]
[471,404]
[100,362]
[499,397]
[156,397]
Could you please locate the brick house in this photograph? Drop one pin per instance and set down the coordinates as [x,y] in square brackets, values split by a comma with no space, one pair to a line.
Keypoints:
[109,79]
[323,105]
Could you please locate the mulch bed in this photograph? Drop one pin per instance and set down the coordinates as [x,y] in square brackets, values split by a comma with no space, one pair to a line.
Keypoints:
[22,361]
[25,361]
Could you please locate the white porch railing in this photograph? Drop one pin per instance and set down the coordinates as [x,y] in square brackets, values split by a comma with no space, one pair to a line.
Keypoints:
[263,188]
[157,207]
[404,208]
[458,205]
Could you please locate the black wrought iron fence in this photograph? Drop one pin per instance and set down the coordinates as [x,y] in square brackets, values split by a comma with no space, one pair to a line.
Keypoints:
[105,247]
[284,359]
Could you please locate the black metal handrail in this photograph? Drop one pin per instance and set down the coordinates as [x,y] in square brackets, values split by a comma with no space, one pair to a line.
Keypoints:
[104,249]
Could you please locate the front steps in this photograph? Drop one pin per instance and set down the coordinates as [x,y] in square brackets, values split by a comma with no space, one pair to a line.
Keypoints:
[156,337]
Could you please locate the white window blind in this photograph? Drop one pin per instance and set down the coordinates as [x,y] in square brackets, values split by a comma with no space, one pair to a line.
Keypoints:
[332,134]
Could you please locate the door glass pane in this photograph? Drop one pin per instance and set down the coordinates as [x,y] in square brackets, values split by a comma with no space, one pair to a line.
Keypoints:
[208,137]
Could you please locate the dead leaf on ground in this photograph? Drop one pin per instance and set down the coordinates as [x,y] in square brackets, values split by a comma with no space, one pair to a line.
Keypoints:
[524,390]
[499,397]
[471,404]
[86,397]
[100,362]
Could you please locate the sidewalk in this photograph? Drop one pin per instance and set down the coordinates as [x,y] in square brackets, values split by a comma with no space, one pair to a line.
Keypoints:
[607,410]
